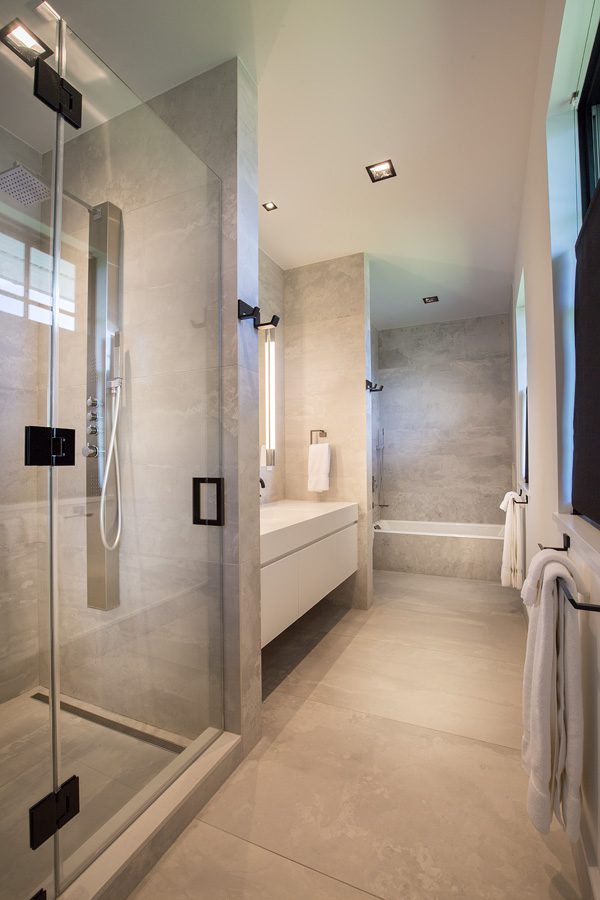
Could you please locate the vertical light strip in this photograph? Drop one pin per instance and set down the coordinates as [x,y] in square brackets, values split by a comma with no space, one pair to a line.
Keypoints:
[269,390]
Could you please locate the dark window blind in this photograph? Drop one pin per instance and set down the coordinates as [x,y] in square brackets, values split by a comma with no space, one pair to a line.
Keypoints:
[586,418]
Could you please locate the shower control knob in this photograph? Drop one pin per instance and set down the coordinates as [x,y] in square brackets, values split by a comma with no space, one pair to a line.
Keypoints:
[91,429]
[90,450]
[92,417]
[92,401]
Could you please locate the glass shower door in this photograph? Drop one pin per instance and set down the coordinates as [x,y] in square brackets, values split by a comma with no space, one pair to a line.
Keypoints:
[111,571]
[27,157]
[139,380]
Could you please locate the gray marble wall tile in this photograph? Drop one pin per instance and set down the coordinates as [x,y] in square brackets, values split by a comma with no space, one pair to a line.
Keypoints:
[447,413]
[327,350]
[434,555]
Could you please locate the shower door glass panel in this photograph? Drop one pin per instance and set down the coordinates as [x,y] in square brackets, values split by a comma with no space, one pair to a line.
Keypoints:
[27,145]
[139,380]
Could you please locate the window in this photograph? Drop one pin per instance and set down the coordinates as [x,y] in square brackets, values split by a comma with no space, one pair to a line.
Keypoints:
[589,128]
[586,421]
[26,283]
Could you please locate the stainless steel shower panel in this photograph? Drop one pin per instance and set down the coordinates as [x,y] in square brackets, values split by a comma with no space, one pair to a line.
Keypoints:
[104,323]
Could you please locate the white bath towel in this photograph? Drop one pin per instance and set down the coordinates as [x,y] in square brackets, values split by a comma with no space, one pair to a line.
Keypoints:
[552,748]
[513,550]
[532,586]
[319,460]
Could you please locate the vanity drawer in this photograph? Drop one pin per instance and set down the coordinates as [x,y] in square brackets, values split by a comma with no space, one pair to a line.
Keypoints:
[279,585]
[326,564]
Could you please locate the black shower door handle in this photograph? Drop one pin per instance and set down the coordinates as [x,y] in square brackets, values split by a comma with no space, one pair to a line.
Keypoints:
[197,517]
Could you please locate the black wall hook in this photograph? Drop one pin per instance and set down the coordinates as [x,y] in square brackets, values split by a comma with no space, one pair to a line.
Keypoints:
[245,311]
[374,388]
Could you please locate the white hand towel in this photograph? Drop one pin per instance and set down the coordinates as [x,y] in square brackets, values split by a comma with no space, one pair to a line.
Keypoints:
[319,459]
[552,749]
[513,551]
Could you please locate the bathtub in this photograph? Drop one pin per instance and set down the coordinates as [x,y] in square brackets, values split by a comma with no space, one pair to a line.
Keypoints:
[457,549]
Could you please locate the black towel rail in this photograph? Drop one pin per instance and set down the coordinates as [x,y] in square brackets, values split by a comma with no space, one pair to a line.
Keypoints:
[587,607]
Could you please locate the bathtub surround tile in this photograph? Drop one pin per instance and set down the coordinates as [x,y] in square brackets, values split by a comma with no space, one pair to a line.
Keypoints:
[461,557]
[447,414]
[327,358]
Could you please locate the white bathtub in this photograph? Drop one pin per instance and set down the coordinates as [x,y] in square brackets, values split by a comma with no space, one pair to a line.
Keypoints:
[457,549]
[442,529]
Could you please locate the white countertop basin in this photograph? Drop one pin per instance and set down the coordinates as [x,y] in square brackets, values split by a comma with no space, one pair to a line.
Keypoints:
[288,525]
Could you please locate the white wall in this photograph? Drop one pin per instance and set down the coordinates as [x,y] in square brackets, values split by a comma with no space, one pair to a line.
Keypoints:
[534,260]
[549,224]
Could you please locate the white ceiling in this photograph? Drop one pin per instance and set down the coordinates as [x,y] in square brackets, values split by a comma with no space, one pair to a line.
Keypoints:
[443,87]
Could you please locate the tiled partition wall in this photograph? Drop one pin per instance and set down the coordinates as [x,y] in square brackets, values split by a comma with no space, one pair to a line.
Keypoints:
[216,115]
[327,360]
[447,413]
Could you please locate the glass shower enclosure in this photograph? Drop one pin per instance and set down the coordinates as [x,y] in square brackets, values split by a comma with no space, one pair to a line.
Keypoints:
[110,485]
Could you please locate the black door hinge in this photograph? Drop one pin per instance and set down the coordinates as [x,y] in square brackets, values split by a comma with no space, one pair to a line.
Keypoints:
[45,446]
[57,93]
[53,811]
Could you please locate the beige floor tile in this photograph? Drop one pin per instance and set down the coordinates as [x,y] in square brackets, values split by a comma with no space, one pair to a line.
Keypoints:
[466,695]
[208,864]
[396,810]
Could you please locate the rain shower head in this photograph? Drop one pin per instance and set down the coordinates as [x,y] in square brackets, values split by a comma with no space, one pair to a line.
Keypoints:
[23,186]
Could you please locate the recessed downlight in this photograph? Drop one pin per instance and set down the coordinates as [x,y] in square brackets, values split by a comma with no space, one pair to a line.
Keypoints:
[381,170]
[269,206]
[24,42]
[432,299]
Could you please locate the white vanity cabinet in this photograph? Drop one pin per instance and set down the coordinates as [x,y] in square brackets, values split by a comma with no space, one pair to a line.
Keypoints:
[307,549]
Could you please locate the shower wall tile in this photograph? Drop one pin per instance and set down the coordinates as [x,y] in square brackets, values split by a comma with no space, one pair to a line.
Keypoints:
[447,413]
[327,357]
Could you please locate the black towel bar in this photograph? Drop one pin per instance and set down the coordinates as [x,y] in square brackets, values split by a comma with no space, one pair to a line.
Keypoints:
[588,607]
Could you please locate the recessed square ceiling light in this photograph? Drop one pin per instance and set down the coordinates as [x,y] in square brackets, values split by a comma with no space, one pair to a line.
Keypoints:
[22,41]
[381,171]
[431,299]
[269,206]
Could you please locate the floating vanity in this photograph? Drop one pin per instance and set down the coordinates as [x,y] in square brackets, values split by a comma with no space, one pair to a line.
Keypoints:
[307,548]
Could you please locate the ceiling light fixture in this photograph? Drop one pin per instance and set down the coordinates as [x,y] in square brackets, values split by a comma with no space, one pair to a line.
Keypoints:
[382,170]
[269,206]
[431,299]
[22,41]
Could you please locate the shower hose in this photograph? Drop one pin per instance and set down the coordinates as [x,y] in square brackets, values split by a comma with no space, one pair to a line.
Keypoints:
[112,458]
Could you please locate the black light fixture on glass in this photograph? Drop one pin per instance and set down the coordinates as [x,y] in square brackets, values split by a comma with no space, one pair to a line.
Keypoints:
[382,170]
[269,206]
[24,42]
[432,299]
